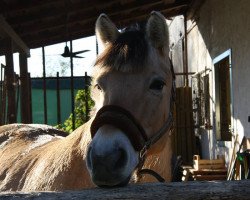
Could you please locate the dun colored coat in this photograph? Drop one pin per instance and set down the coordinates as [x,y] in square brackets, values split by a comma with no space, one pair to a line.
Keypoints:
[133,72]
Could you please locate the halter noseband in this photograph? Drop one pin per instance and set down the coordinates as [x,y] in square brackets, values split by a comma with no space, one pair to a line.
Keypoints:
[125,121]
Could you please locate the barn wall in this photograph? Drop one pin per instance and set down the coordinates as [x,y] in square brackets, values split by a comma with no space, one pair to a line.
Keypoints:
[219,26]
[176,35]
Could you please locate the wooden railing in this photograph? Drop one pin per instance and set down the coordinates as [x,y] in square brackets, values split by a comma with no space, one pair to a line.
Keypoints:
[229,190]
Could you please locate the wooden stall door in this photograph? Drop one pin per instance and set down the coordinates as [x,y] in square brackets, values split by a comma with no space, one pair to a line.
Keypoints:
[184,136]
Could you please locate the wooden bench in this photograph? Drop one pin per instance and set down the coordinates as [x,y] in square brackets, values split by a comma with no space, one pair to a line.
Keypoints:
[206,170]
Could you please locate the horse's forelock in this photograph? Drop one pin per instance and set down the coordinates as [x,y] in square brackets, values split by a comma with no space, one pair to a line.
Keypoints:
[128,53]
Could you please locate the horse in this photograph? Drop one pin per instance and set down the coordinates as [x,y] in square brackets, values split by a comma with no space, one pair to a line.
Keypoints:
[129,129]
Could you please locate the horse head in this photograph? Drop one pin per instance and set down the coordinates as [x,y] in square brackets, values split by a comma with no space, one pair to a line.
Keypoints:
[132,89]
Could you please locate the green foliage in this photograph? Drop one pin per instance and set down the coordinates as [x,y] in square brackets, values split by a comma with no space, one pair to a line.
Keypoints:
[81,117]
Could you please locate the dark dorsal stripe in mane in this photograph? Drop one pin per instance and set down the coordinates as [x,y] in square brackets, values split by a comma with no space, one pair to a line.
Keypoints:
[128,53]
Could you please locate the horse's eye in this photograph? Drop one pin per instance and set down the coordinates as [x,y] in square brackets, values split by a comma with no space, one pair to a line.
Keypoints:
[98,87]
[157,85]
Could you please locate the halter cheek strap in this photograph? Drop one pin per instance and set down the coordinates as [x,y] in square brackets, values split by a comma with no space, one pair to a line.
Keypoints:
[168,124]
[164,129]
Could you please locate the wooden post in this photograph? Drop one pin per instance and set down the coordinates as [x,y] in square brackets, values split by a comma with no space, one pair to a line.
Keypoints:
[44,88]
[4,94]
[86,97]
[58,98]
[185,64]
[184,138]
[9,74]
[30,98]
[1,96]
[72,87]
[25,100]
[17,91]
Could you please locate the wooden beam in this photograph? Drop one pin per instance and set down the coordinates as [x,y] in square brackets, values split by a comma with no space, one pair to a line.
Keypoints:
[44,88]
[195,190]
[60,8]
[194,7]
[15,7]
[24,93]
[82,16]
[72,87]
[30,98]
[58,34]
[185,64]
[7,30]
[3,7]
[91,15]
[9,75]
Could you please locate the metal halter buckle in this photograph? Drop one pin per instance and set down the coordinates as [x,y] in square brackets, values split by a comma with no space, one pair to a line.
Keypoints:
[143,152]
[145,149]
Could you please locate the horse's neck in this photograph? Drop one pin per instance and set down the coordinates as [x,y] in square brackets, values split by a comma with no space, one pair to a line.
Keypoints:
[65,165]
[79,138]
[159,163]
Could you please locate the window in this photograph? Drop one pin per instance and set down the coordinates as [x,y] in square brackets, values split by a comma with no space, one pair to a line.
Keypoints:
[223,104]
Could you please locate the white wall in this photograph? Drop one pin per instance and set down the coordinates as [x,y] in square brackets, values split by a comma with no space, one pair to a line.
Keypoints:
[220,25]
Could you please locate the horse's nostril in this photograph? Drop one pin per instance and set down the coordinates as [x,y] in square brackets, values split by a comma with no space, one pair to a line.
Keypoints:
[121,159]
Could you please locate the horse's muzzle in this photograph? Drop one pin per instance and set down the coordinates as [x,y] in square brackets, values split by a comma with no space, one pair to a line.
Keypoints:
[122,119]
[107,169]
[110,166]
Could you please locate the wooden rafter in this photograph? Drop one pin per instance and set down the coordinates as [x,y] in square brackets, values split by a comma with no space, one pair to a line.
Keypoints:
[41,23]
[8,32]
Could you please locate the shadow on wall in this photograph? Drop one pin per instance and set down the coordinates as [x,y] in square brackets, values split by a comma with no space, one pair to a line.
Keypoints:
[216,30]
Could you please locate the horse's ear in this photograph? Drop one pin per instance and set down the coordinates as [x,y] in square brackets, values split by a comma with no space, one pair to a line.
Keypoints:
[105,29]
[157,31]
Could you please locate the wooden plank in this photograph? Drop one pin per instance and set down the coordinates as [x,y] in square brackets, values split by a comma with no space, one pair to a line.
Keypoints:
[24,98]
[9,75]
[211,166]
[174,131]
[189,124]
[194,7]
[209,172]
[192,137]
[72,87]
[208,164]
[20,6]
[30,99]
[183,125]
[195,190]
[185,138]
[231,170]
[44,88]
[58,97]
[89,10]
[7,30]
[85,20]
[57,35]
[178,116]
[3,97]
[209,177]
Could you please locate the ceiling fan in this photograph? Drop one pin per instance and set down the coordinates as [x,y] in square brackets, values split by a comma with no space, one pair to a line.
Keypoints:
[67,53]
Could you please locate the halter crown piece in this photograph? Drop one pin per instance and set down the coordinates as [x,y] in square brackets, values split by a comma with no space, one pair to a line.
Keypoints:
[125,121]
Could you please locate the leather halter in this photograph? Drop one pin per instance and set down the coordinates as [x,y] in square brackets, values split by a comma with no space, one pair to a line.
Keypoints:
[125,121]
